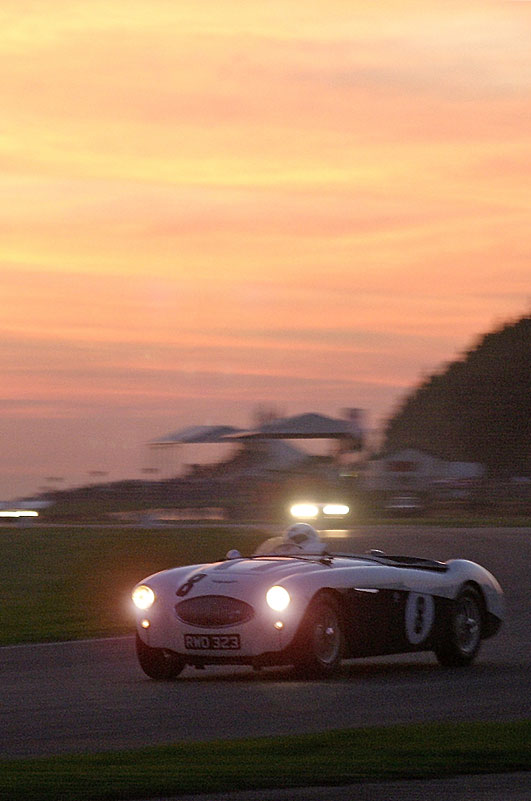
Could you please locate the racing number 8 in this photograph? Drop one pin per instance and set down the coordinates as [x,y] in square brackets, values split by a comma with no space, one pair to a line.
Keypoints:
[420,615]
[185,588]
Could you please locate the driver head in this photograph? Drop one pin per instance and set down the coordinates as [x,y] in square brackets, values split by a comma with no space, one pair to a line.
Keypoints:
[304,537]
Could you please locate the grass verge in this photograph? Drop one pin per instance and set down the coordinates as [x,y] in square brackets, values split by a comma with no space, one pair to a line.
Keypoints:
[333,758]
[69,583]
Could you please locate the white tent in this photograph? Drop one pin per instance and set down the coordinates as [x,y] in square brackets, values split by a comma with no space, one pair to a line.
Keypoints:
[196,434]
[303,426]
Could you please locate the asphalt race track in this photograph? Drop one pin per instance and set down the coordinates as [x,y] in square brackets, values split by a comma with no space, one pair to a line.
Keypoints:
[91,695]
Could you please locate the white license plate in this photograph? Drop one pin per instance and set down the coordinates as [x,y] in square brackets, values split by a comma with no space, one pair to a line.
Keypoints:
[212,642]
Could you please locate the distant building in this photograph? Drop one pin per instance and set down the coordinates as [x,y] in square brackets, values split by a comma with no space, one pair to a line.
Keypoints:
[411,470]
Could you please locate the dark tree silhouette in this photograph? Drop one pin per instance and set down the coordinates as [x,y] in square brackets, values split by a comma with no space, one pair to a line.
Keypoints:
[477,408]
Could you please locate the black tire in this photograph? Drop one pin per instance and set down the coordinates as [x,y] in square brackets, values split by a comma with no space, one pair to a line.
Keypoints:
[321,640]
[460,640]
[158,663]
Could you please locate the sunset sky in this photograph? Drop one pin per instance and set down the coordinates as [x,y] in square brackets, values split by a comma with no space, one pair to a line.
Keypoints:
[210,205]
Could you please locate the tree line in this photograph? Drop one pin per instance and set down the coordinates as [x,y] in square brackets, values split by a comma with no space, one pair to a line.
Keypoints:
[477,408]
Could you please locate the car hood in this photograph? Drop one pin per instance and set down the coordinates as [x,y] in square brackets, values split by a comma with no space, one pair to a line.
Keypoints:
[254,571]
[242,576]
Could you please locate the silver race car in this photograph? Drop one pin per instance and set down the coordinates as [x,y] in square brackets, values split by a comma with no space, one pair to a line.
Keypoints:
[294,603]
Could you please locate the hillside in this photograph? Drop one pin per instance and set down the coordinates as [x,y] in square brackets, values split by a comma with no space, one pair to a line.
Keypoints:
[477,408]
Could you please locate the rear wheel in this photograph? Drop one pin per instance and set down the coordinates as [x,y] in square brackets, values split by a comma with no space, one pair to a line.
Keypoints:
[461,638]
[321,642]
[158,663]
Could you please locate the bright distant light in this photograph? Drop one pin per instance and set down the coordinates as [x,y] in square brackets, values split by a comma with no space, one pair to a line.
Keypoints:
[143,597]
[18,513]
[278,598]
[304,510]
[336,509]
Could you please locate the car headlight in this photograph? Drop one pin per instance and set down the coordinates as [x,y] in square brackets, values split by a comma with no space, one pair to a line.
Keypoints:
[304,510]
[278,598]
[143,597]
[336,509]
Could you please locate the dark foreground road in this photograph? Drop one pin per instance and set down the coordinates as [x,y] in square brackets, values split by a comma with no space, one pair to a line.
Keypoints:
[88,696]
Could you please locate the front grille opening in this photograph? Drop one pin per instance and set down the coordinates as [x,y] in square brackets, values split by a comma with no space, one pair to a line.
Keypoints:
[213,611]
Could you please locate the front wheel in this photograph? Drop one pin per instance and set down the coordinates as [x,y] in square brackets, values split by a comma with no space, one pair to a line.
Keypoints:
[321,643]
[158,663]
[460,641]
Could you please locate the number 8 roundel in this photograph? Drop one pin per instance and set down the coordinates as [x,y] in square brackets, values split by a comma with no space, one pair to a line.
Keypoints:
[420,613]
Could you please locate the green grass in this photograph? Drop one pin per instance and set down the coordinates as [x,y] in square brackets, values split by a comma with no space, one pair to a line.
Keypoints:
[333,758]
[71,583]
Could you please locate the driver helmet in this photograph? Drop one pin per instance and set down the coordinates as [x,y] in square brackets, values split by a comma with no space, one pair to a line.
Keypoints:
[304,536]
